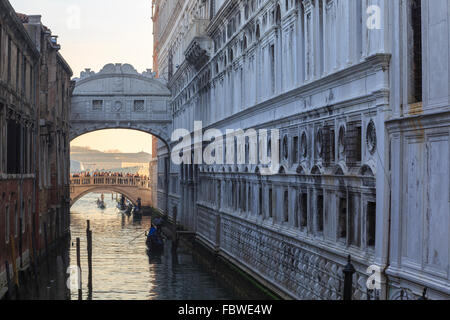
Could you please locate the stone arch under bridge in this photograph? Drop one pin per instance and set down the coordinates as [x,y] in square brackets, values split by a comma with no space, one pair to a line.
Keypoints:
[78,192]
[118,97]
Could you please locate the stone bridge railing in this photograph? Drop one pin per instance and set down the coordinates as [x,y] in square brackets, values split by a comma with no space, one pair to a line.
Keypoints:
[110,181]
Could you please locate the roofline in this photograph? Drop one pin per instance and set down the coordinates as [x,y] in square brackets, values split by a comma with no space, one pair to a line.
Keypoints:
[65,64]
[20,27]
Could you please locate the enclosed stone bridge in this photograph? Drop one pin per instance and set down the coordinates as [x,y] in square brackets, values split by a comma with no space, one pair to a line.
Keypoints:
[118,97]
[131,188]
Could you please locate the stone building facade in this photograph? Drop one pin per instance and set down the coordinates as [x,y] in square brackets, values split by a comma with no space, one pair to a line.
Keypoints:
[359,92]
[34,160]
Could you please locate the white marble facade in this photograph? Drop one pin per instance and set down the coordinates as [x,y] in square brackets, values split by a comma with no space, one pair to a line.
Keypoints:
[359,90]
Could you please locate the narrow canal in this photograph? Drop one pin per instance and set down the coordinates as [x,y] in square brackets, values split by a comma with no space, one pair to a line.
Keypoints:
[122,267]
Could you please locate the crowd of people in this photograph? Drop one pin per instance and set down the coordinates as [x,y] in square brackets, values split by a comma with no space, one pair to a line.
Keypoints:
[88,174]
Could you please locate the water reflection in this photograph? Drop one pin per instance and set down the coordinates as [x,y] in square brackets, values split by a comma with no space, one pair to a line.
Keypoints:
[122,266]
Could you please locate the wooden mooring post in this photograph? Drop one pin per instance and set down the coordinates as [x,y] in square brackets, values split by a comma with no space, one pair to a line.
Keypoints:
[89,252]
[80,293]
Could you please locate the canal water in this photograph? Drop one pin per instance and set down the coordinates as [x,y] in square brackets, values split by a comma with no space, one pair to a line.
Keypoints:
[122,267]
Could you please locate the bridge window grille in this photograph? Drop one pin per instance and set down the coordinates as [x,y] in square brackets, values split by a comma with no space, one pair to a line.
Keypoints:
[139,105]
[97,105]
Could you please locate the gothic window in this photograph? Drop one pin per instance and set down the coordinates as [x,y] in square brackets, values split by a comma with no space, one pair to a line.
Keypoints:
[139,105]
[272,67]
[285,148]
[278,16]
[371,137]
[304,145]
[295,150]
[319,143]
[244,43]
[97,105]
[328,144]
[353,142]
[246,11]
[341,142]
[258,33]
[371,214]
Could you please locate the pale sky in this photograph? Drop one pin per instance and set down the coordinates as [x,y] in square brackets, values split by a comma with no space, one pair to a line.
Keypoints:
[116,139]
[93,33]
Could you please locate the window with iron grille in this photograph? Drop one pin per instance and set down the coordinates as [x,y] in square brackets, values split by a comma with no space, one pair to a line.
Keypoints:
[353,142]
[97,105]
[139,105]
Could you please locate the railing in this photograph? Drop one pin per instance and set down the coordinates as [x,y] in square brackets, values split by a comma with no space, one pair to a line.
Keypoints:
[108,181]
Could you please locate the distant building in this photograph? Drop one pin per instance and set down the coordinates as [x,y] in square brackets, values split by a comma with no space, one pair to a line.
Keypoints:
[35,89]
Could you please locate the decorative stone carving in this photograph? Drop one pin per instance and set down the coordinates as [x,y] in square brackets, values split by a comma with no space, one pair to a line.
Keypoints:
[371,137]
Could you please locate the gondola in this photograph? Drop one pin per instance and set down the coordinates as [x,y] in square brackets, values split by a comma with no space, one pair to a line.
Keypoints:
[137,213]
[128,209]
[155,244]
[101,204]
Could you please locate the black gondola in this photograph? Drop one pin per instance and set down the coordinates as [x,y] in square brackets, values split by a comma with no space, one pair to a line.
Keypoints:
[101,204]
[155,242]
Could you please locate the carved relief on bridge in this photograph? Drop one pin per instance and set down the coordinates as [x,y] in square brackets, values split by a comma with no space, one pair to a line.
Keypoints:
[120,97]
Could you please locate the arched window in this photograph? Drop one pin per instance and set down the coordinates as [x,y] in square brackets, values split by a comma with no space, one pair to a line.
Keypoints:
[278,16]
[258,33]
[285,148]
